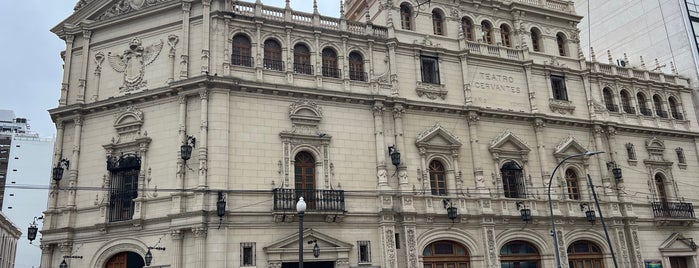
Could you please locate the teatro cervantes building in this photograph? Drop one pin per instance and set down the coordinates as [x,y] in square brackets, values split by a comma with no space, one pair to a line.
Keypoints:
[420,134]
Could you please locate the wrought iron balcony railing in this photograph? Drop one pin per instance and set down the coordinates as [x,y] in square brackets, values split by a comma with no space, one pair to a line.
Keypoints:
[271,64]
[242,60]
[316,200]
[675,210]
[301,68]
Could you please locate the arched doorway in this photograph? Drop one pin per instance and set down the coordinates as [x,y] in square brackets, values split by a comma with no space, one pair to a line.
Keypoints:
[305,178]
[518,254]
[125,260]
[584,254]
[446,254]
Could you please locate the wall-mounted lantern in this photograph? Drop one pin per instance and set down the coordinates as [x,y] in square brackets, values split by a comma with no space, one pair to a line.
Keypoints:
[220,208]
[32,230]
[186,148]
[616,170]
[316,248]
[589,213]
[149,256]
[525,213]
[58,169]
[452,212]
[395,155]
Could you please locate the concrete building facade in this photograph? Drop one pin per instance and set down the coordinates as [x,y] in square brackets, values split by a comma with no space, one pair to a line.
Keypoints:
[482,99]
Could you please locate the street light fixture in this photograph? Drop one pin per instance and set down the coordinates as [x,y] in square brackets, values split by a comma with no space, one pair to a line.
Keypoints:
[149,256]
[186,148]
[316,248]
[395,155]
[220,208]
[589,213]
[553,222]
[452,212]
[301,209]
[58,169]
[33,229]
[525,213]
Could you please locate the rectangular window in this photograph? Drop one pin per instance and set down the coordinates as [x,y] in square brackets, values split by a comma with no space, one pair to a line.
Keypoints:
[430,69]
[397,241]
[558,85]
[124,185]
[247,254]
[364,251]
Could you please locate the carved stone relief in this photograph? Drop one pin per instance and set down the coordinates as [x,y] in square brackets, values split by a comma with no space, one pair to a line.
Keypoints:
[133,61]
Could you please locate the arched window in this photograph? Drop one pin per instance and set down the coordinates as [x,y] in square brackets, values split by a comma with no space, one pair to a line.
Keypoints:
[305,178]
[273,56]
[241,51]
[658,105]
[330,63]
[572,184]
[302,59]
[630,151]
[124,260]
[438,22]
[487,32]
[467,28]
[512,180]
[584,254]
[642,106]
[561,41]
[660,187]
[505,35]
[356,67]
[442,254]
[438,180]
[626,102]
[536,39]
[406,17]
[609,100]
[517,254]
[674,108]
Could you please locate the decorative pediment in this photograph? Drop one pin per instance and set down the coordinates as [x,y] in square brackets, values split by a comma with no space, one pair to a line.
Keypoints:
[437,137]
[676,242]
[305,116]
[122,7]
[655,144]
[508,142]
[656,149]
[129,120]
[287,249]
[568,146]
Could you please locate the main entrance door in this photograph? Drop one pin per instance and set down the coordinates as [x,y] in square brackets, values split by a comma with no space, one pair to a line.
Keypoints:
[125,260]
[316,264]
[678,262]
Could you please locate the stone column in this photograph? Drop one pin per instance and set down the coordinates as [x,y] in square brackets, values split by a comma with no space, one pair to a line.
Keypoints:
[184,62]
[57,155]
[599,146]
[388,244]
[176,236]
[46,254]
[67,64]
[381,172]
[202,141]
[398,111]
[82,81]
[200,246]
[475,150]
[73,181]
[206,36]
[181,171]
[539,125]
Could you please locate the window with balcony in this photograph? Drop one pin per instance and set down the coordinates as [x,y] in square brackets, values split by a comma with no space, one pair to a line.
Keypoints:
[609,100]
[429,67]
[123,186]
[658,104]
[438,181]
[438,22]
[247,254]
[561,41]
[487,31]
[626,102]
[302,59]
[467,28]
[558,85]
[305,178]
[642,106]
[505,35]
[406,17]
[536,39]
[573,187]
[273,56]
[674,108]
[330,63]
[241,51]
[356,67]
[513,180]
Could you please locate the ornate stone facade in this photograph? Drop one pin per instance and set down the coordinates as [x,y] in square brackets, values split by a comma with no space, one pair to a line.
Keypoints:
[264,113]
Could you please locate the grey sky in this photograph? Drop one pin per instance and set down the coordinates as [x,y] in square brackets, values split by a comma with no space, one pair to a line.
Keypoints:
[32,70]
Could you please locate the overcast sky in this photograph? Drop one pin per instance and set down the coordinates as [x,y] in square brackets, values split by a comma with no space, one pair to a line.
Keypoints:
[30,74]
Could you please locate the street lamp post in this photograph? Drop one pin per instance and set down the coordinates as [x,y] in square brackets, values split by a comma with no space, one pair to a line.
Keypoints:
[301,208]
[553,222]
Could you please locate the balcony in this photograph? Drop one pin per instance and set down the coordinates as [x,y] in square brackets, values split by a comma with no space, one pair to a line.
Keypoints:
[272,64]
[678,212]
[301,68]
[241,60]
[316,200]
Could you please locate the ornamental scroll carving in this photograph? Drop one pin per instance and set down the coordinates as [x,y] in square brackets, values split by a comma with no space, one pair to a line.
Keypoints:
[126,6]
